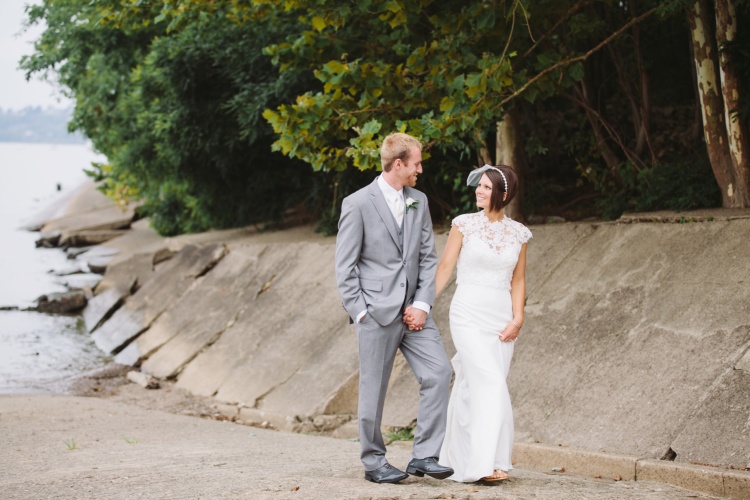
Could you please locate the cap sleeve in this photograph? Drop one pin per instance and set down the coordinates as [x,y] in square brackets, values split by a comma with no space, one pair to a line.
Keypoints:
[525,234]
[460,222]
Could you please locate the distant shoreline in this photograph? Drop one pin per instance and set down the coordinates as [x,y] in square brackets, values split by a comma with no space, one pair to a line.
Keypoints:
[36,125]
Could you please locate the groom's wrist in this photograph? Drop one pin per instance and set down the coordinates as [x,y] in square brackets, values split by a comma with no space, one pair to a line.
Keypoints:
[360,316]
[422,306]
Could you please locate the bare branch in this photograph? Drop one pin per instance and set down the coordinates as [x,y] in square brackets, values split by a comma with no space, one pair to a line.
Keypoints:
[629,154]
[567,62]
[570,12]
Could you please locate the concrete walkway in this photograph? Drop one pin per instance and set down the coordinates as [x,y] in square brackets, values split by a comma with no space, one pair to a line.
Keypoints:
[75,447]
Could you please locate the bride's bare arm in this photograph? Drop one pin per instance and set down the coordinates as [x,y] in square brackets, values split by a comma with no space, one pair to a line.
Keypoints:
[517,298]
[444,269]
[448,261]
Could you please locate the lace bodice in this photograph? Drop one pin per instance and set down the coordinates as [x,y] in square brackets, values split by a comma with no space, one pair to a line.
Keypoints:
[489,250]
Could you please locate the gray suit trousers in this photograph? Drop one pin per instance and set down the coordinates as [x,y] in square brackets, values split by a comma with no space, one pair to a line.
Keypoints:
[426,356]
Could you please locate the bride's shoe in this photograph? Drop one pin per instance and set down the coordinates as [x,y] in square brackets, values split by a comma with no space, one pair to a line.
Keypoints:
[497,475]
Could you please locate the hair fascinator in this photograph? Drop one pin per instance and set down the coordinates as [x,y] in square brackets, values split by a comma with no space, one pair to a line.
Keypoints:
[476,174]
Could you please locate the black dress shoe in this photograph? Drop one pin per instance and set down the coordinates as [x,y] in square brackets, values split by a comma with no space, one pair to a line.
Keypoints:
[385,474]
[421,466]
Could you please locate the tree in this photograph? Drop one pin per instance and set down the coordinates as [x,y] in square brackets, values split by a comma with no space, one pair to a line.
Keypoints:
[585,98]
[442,71]
[174,99]
[719,88]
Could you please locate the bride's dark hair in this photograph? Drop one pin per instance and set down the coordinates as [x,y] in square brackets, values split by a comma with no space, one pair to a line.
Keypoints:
[498,186]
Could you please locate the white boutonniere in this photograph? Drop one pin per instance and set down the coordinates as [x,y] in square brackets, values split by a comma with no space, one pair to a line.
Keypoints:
[411,203]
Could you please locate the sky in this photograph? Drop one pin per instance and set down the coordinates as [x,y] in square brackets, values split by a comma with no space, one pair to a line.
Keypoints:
[15,92]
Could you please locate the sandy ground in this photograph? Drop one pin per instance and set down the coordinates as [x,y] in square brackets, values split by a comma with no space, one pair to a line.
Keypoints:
[114,439]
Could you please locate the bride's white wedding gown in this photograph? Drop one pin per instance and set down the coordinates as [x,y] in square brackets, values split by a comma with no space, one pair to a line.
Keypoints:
[479,435]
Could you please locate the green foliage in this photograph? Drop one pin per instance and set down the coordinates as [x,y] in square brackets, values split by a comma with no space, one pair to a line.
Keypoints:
[684,184]
[233,112]
[176,106]
[435,70]
[326,193]
[405,434]
[198,100]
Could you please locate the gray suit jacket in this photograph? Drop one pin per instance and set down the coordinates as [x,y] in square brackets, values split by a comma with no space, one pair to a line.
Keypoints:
[374,271]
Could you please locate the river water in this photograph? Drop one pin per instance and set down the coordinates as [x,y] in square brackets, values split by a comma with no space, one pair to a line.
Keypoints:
[38,352]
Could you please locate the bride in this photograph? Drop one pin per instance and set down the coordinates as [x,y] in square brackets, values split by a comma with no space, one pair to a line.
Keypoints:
[486,316]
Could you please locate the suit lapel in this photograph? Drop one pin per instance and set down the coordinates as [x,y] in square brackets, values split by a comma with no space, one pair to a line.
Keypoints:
[378,200]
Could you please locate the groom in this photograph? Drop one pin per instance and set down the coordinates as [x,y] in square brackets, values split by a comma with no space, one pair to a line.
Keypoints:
[385,266]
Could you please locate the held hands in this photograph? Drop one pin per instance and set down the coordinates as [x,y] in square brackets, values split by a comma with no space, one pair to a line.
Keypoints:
[414,318]
[510,332]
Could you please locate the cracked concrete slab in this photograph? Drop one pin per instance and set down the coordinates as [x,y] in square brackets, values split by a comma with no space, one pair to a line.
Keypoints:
[165,286]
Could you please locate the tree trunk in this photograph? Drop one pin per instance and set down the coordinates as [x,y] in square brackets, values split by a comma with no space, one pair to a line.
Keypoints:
[643,139]
[737,130]
[714,127]
[696,129]
[483,155]
[509,151]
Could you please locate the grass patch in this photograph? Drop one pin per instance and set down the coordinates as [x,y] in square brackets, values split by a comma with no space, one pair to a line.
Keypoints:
[399,435]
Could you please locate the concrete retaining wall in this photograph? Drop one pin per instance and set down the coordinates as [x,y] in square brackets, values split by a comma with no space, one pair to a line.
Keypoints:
[636,341]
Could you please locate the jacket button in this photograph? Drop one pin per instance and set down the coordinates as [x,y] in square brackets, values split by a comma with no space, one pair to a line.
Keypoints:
[402,285]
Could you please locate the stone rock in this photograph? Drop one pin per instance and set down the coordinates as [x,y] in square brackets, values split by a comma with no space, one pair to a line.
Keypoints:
[554,219]
[104,218]
[103,305]
[97,258]
[80,280]
[143,379]
[61,303]
[222,294]
[130,355]
[67,269]
[48,239]
[74,252]
[98,265]
[87,238]
[127,275]
[166,285]
[288,345]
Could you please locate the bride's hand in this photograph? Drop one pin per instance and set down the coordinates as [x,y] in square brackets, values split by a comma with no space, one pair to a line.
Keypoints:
[414,318]
[509,333]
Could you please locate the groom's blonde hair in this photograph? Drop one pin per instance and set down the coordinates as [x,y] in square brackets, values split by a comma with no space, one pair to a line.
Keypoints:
[397,146]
